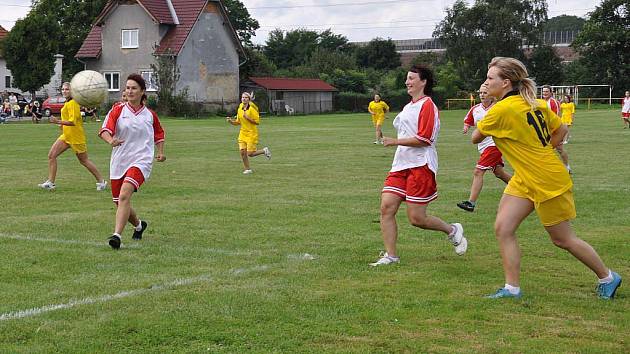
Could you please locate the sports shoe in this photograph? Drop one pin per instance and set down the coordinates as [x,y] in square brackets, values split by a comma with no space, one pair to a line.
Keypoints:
[504,293]
[466,205]
[248,172]
[607,290]
[385,260]
[137,235]
[376,142]
[47,185]
[267,153]
[100,186]
[458,240]
[114,241]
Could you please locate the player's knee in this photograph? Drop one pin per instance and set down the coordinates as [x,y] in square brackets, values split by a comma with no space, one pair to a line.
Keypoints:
[251,153]
[478,172]
[387,209]
[418,221]
[563,243]
[502,229]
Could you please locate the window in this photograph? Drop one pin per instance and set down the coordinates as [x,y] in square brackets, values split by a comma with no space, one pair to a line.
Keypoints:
[130,38]
[113,81]
[7,81]
[150,79]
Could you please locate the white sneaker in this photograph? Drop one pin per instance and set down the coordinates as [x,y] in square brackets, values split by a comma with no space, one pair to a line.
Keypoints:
[385,260]
[47,185]
[267,153]
[248,172]
[458,240]
[100,186]
[376,142]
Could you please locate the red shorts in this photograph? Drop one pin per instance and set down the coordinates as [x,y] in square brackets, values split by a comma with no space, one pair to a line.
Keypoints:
[490,158]
[625,115]
[133,176]
[415,185]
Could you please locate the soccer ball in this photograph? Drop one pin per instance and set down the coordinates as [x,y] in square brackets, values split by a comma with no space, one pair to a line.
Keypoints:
[88,88]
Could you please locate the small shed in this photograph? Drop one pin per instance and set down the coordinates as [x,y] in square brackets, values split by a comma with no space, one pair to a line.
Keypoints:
[289,95]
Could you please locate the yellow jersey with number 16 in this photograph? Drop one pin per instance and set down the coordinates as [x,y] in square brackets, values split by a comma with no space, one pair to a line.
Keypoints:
[523,135]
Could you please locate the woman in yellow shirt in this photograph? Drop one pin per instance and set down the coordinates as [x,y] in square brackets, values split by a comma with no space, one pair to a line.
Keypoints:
[525,130]
[568,110]
[248,118]
[378,109]
[72,137]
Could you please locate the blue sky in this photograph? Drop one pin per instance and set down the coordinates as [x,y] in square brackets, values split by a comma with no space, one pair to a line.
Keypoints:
[358,20]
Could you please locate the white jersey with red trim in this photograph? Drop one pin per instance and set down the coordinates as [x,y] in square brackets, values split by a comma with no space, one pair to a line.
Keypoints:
[625,105]
[418,120]
[139,130]
[554,105]
[474,115]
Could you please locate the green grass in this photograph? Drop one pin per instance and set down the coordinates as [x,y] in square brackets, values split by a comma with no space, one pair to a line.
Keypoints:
[238,243]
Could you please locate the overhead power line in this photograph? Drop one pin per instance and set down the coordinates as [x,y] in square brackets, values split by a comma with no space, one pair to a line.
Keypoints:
[334,5]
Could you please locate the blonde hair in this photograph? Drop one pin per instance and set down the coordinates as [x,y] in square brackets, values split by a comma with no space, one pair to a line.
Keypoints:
[515,71]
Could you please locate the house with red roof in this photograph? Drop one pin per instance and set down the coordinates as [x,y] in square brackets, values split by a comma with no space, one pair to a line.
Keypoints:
[128,35]
[290,95]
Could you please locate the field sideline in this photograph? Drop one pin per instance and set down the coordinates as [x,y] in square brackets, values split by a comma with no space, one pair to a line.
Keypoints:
[278,261]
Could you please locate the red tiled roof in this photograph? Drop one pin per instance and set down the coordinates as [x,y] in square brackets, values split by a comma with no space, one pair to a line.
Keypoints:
[158,10]
[289,84]
[3,33]
[187,12]
[92,45]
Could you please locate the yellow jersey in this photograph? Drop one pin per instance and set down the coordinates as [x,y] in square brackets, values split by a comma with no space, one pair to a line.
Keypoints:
[71,112]
[248,129]
[523,135]
[567,109]
[378,109]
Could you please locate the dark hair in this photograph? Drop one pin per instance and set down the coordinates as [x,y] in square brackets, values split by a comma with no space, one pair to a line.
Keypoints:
[425,74]
[143,85]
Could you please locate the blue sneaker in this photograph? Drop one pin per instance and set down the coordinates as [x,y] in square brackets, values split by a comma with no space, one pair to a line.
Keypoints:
[503,292]
[607,291]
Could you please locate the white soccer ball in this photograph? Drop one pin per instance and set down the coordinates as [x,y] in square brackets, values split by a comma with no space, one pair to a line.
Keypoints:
[88,88]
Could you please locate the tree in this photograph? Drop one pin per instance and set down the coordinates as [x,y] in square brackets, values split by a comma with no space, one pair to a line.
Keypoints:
[296,47]
[473,36]
[167,74]
[29,49]
[257,64]
[74,19]
[545,66]
[604,45]
[241,20]
[564,23]
[379,54]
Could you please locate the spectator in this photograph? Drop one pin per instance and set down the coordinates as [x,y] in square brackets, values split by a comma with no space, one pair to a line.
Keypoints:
[36,112]
[13,103]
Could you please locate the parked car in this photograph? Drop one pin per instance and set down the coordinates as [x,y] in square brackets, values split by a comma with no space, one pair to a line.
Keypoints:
[53,105]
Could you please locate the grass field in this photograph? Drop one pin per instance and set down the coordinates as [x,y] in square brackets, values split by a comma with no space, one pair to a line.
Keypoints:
[278,261]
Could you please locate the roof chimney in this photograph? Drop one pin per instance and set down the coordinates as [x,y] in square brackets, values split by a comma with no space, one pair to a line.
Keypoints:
[172,10]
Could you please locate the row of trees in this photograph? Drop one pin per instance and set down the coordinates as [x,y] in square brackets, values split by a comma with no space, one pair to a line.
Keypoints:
[472,35]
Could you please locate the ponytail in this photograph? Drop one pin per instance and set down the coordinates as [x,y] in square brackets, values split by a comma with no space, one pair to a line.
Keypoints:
[515,71]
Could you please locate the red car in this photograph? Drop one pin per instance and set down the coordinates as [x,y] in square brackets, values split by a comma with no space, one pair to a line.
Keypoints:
[53,105]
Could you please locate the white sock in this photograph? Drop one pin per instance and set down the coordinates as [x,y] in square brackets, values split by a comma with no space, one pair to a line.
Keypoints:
[608,279]
[453,230]
[116,234]
[139,226]
[512,289]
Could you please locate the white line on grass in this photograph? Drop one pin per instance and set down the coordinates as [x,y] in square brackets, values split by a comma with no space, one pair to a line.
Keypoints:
[132,245]
[121,295]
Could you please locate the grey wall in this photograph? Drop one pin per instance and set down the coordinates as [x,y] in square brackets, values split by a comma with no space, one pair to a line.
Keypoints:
[209,62]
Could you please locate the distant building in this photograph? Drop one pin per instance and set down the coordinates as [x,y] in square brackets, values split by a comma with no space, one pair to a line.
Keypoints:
[128,35]
[410,48]
[289,95]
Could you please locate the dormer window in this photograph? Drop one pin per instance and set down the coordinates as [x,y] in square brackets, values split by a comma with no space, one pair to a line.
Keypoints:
[129,38]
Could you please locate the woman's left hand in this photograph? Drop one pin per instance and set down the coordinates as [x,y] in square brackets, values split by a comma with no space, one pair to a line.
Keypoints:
[389,141]
[160,157]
